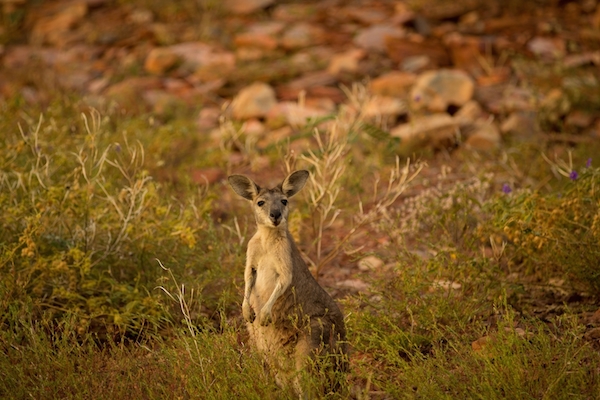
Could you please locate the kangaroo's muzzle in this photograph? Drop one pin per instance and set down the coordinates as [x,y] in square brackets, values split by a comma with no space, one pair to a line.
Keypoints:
[275,217]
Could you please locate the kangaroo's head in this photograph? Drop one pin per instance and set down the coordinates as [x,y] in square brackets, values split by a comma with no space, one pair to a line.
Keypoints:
[270,206]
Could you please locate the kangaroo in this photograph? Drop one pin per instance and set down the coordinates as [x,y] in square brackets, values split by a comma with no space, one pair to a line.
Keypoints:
[291,319]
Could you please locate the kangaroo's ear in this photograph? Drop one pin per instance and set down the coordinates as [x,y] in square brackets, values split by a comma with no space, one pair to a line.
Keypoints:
[294,182]
[243,186]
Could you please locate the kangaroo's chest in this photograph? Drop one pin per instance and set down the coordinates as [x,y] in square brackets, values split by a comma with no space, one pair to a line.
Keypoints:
[270,261]
[267,274]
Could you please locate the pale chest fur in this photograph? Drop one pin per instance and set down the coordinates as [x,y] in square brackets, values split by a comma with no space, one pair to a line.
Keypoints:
[270,257]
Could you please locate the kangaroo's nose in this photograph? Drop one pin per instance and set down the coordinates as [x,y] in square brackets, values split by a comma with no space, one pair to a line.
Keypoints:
[275,216]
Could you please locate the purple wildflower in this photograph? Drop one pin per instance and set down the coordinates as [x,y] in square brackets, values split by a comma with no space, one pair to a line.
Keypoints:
[506,188]
[573,175]
[588,163]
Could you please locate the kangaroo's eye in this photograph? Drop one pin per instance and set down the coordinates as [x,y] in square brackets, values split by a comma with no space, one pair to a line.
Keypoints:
[284,202]
[261,203]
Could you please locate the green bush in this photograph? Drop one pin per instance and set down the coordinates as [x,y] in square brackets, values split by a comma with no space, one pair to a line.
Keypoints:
[83,224]
[558,232]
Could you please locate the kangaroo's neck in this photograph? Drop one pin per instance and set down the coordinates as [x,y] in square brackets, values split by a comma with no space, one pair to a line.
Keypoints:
[272,234]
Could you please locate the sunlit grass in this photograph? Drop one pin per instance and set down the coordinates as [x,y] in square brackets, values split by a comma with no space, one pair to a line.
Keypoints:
[469,305]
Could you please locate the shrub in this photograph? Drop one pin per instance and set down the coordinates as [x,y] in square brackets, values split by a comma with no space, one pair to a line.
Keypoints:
[83,222]
[557,232]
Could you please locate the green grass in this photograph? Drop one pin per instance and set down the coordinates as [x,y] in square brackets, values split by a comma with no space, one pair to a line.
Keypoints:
[86,311]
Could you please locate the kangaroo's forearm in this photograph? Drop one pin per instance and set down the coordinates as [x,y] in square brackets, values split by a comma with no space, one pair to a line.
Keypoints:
[249,280]
[282,284]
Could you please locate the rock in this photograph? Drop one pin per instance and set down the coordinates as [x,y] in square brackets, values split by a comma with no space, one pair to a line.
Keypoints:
[98,85]
[301,35]
[436,90]
[246,6]
[415,63]
[11,6]
[346,62]
[208,118]
[521,124]
[480,345]
[486,136]
[445,285]
[127,92]
[206,88]
[596,18]
[176,86]
[292,89]
[578,60]
[33,96]
[547,48]
[595,318]
[320,103]
[367,16]
[588,6]
[504,99]
[554,106]
[249,54]
[430,130]
[160,60]
[399,49]
[333,93]
[470,20]
[374,37]
[369,263]
[383,106]
[216,70]
[520,332]
[198,56]
[17,56]
[74,80]
[163,34]
[469,113]
[464,51]
[93,3]
[294,12]
[275,136]
[311,79]
[262,35]
[593,334]
[594,131]
[162,102]
[294,114]
[494,76]
[449,9]
[395,83]
[256,40]
[422,25]
[312,58]
[579,119]
[207,176]
[75,58]
[403,13]
[253,127]
[141,16]
[50,29]
[254,101]
[354,284]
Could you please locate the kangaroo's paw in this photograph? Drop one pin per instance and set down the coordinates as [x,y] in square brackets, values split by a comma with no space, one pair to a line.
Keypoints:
[264,317]
[247,312]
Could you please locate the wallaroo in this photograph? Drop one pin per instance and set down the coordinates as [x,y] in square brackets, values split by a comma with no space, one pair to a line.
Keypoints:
[291,319]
